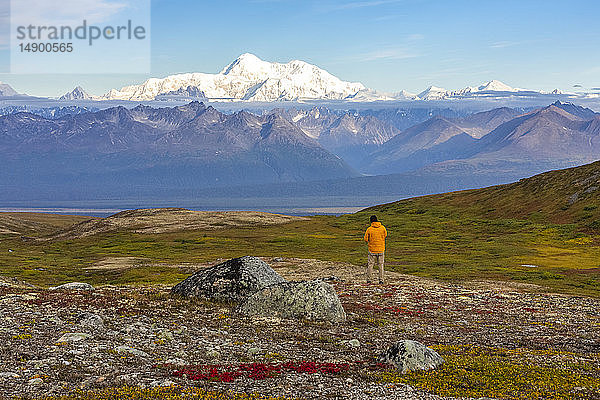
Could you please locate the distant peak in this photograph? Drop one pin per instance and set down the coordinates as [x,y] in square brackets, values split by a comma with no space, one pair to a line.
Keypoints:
[496,85]
[78,93]
[248,56]
[246,62]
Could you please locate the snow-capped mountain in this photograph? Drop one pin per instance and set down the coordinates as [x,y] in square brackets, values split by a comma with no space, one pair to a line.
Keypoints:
[404,95]
[76,94]
[248,78]
[188,93]
[434,93]
[493,87]
[369,95]
[7,90]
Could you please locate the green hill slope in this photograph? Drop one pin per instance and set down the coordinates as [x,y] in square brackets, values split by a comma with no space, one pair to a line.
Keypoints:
[563,197]
[540,233]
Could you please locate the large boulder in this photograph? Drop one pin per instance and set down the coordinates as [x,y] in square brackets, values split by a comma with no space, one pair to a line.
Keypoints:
[312,300]
[409,355]
[233,280]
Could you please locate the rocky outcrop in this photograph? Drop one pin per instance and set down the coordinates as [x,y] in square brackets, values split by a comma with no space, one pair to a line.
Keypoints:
[312,300]
[409,355]
[73,286]
[234,280]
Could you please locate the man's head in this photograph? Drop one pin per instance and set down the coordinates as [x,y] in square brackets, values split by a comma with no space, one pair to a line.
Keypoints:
[373,218]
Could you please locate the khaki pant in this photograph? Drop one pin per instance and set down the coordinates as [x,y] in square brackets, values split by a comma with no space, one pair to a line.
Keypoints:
[375,258]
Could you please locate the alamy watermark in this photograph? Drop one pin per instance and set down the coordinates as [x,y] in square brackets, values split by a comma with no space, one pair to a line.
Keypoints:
[83,36]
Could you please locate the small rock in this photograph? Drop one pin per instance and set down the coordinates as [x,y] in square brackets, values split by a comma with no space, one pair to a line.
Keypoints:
[176,361]
[278,259]
[213,353]
[8,375]
[166,335]
[35,381]
[91,321]
[573,198]
[163,383]
[354,343]
[409,355]
[73,286]
[131,350]
[253,351]
[73,337]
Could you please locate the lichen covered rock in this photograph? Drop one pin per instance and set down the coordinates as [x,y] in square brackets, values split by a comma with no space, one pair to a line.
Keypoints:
[409,355]
[73,286]
[312,300]
[233,280]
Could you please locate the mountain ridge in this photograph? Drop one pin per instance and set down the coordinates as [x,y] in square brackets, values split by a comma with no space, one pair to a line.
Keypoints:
[169,142]
[248,78]
[563,196]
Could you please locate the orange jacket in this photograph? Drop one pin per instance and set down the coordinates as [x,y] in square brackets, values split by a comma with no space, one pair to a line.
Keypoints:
[375,236]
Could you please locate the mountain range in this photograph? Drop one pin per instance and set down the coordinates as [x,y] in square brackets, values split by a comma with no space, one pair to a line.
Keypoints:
[250,79]
[188,145]
[196,146]
[349,135]
[556,136]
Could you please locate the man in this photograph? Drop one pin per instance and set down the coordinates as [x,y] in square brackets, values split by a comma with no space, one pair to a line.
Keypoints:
[375,237]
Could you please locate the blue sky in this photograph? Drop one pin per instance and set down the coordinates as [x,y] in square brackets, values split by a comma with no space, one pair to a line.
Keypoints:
[387,45]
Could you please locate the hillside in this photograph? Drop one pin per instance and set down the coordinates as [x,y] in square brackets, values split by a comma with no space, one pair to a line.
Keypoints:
[563,196]
[534,231]
[21,223]
[165,220]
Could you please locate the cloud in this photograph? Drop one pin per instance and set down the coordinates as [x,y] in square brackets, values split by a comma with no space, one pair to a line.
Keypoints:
[387,54]
[503,44]
[407,49]
[388,17]
[353,5]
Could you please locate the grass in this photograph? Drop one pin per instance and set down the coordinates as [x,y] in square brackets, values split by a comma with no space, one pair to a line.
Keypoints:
[472,371]
[166,393]
[439,242]
[530,231]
